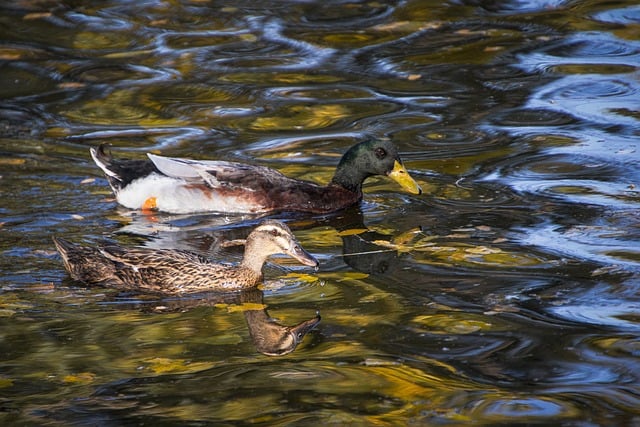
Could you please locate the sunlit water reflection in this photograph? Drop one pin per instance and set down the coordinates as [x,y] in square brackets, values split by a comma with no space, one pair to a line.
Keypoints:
[506,294]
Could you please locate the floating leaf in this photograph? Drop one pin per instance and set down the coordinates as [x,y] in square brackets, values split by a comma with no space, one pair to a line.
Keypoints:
[458,236]
[302,277]
[352,231]
[12,162]
[71,85]
[407,236]
[380,362]
[386,244]
[482,250]
[162,365]
[408,26]
[501,309]
[350,275]
[323,237]
[9,54]
[245,306]
[36,15]
[391,245]
[80,378]
[456,323]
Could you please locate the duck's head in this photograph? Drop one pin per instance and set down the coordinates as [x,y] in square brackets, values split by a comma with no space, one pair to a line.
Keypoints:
[273,339]
[274,237]
[373,157]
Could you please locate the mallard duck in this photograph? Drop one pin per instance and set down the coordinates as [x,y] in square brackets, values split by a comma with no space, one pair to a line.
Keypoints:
[269,336]
[272,338]
[177,185]
[175,272]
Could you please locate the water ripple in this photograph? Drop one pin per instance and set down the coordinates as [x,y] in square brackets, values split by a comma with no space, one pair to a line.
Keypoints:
[572,177]
[625,16]
[603,244]
[24,79]
[516,408]
[510,7]
[605,100]
[304,56]
[349,15]
[518,305]
[314,143]
[99,23]
[152,138]
[123,75]
[173,43]
[591,50]
[327,92]
[621,314]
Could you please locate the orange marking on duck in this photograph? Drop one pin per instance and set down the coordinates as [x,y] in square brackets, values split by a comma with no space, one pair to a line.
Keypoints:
[150,204]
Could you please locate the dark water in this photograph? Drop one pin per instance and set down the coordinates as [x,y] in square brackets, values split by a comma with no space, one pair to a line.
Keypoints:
[507,294]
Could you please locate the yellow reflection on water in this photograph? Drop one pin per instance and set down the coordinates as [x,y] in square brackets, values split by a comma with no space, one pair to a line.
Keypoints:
[303,117]
[121,107]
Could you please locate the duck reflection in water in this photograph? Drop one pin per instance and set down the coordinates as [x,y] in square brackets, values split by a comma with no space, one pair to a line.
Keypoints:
[268,336]
[358,250]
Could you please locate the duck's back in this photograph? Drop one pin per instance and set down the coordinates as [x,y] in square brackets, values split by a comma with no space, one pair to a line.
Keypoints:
[176,272]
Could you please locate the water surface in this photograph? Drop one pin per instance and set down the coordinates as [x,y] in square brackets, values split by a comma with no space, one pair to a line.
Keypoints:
[506,294]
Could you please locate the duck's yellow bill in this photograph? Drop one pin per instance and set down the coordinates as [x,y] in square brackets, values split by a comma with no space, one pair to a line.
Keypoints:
[400,175]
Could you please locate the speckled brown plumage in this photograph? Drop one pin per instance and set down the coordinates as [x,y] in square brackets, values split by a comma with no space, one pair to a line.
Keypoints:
[175,272]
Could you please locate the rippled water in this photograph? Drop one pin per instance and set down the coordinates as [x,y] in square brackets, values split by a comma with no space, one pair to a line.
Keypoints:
[506,294]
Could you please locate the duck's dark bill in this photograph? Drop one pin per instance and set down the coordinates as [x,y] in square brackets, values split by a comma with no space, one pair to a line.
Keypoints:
[400,175]
[303,256]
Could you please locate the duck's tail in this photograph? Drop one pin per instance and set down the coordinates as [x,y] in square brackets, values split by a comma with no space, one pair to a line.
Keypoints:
[84,263]
[120,172]
[64,247]
[104,162]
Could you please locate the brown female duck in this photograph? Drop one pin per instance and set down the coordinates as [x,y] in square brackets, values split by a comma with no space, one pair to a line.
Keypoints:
[178,185]
[175,272]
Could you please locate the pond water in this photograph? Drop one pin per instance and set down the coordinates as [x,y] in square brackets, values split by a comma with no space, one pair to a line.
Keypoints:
[507,293]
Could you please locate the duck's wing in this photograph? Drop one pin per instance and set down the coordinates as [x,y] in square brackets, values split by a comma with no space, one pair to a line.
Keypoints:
[144,258]
[171,271]
[218,173]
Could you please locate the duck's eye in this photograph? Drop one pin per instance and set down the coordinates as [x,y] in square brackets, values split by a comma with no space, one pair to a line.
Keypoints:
[274,232]
[380,153]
